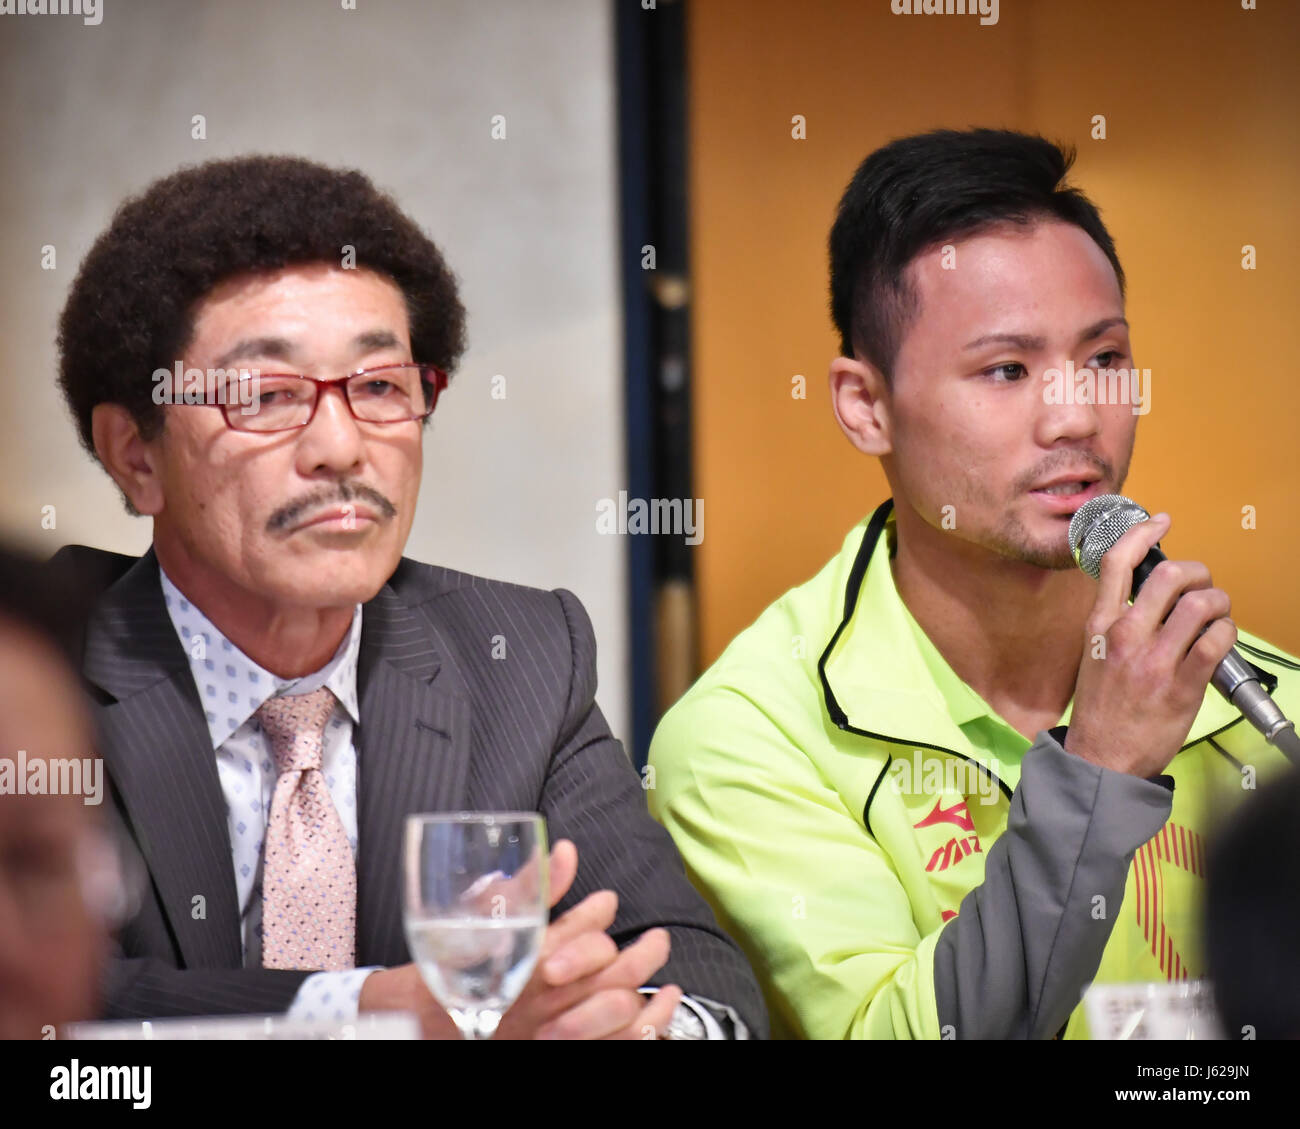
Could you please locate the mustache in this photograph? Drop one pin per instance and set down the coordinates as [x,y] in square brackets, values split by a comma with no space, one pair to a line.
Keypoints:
[1068,460]
[288,514]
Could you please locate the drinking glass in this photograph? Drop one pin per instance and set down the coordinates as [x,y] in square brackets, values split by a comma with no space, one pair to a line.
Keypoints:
[476,909]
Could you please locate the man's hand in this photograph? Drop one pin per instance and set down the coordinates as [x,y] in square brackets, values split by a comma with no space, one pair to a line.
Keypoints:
[583,986]
[404,989]
[1134,708]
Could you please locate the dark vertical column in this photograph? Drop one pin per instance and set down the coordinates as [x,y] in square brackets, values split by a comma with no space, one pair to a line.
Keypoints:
[652,95]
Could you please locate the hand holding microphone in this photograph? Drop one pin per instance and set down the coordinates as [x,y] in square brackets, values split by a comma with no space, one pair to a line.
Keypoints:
[1134,708]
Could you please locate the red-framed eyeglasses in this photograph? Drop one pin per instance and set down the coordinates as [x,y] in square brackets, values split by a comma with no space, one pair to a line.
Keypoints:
[265,402]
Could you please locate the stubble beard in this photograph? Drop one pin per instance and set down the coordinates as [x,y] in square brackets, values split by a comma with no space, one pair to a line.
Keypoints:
[1013,541]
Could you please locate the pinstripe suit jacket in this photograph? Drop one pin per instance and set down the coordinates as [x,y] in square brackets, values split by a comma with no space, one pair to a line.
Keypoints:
[443,726]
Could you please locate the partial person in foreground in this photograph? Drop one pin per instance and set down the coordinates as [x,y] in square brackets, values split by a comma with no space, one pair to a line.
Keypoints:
[252,351]
[1252,910]
[944,785]
[60,878]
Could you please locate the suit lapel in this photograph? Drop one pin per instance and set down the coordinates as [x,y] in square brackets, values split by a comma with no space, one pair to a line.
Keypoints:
[160,758]
[412,756]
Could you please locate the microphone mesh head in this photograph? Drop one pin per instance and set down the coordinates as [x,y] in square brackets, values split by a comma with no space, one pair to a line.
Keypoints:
[1097,525]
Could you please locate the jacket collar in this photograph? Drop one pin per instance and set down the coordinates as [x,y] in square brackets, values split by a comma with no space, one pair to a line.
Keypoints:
[875,679]
[156,746]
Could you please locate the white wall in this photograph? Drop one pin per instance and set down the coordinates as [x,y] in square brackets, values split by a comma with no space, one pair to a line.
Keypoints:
[404,90]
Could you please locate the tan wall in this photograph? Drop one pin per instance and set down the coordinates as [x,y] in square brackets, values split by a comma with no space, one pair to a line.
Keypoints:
[1202,156]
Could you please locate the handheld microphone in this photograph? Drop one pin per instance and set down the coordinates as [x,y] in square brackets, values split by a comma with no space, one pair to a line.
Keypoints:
[1094,529]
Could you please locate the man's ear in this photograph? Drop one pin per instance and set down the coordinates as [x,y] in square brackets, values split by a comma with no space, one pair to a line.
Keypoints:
[859,398]
[130,461]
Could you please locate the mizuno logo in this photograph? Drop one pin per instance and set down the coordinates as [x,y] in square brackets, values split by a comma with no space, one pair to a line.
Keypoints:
[954,850]
[958,814]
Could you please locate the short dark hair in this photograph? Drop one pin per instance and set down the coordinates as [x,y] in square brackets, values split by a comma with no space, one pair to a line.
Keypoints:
[131,308]
[923,190]
[1252,909]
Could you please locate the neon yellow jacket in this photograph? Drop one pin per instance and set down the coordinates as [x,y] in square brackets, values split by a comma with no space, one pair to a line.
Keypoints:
[895,860]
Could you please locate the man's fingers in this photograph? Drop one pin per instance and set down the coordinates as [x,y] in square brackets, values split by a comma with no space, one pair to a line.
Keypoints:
[1208,651]
[595,1017]
[595,913]
[653,1021]
[638,962]
[632,967]
[584,955]
[1165,588]
[1116,580]
[564,868]
[1195,610]
[616,1013]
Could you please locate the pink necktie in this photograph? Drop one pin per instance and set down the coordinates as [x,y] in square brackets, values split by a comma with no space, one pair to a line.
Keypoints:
[309,878]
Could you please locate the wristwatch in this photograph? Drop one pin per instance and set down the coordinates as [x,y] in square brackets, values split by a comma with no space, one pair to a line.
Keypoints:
[685,1024]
